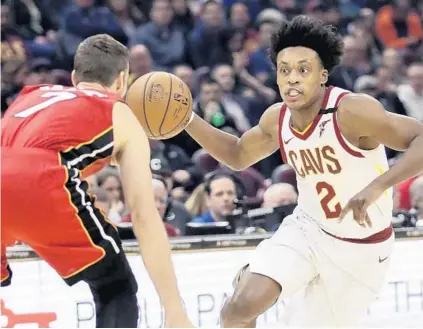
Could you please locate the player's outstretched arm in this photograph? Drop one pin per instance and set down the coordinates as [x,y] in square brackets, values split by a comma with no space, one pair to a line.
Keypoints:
[132,152]
[365,119]
[238,153]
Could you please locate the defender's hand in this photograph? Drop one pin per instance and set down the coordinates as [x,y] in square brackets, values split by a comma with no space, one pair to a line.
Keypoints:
[359,204]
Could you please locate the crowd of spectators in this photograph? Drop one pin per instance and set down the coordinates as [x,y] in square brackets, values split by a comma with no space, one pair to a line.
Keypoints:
[219,49]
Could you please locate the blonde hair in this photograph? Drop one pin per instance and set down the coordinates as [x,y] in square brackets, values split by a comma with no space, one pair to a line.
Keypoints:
[196,203]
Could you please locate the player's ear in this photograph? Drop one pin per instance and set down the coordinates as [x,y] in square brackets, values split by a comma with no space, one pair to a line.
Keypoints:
[74,83]
[120,83]
[324,77]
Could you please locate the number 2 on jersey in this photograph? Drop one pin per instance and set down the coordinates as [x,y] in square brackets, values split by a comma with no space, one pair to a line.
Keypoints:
[53,98]
[329,193]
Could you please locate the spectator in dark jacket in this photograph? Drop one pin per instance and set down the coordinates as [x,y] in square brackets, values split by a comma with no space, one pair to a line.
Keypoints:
[206,35]
[83,19]
[165,41]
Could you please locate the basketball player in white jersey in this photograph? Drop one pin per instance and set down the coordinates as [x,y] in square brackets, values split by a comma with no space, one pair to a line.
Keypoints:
[330,257]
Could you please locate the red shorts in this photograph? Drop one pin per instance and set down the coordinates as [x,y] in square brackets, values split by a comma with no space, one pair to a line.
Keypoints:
[46,206]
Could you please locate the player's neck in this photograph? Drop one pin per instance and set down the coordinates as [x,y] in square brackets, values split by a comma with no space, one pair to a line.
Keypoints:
[91,85]
[301,119]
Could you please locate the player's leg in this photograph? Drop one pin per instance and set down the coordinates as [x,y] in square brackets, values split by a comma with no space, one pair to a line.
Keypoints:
[63,226]
[354,277]
[114,292]
[279,267]
[350,277]
[239,311]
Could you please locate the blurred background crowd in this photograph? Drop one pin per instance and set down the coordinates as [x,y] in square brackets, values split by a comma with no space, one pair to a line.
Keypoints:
[219,48]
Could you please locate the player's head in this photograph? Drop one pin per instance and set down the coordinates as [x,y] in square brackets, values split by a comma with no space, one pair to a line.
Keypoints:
[103,60]
[304,51]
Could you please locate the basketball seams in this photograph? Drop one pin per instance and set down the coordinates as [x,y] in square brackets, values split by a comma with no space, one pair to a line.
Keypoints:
[144,106]
[185,115]
[167,108]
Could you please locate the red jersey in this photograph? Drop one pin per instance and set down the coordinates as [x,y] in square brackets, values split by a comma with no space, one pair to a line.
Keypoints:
[76,123]
[51,136]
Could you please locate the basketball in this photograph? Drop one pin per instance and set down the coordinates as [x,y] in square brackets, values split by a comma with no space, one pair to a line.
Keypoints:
[162,103]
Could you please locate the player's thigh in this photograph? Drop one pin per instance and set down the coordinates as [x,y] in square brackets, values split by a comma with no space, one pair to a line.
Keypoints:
[66,229]
[286,258]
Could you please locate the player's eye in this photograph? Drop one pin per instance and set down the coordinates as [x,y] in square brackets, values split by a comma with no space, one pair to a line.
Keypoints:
[284,71]
[304,70]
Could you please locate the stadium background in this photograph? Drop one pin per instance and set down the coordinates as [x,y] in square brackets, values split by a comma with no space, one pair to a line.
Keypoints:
[219,49]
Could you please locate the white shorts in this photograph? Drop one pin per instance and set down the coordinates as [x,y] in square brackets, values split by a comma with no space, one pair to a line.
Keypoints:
[327,281]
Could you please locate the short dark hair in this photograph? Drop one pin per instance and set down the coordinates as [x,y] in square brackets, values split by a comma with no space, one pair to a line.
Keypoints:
[212,176]
[100,59]
[208,80]
[304,31]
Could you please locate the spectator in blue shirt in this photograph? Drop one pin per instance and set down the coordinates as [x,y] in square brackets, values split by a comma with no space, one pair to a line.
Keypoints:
[259,63]
[84,19]
[165,41]
[220,193]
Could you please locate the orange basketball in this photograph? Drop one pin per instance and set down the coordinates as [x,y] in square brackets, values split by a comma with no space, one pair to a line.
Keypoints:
[162,103]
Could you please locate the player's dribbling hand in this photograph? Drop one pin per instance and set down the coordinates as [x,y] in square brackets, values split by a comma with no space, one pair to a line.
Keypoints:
[359,204]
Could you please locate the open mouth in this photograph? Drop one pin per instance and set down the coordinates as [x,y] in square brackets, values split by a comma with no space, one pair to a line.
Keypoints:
[292,94]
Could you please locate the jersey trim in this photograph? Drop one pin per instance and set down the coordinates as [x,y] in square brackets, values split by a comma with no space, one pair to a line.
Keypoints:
[310,129]
[93,221]
[85,154]
[378,237]
[338,133]
[281,117]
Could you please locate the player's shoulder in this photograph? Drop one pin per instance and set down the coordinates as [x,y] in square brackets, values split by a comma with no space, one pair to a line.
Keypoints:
[356,105]
[272,112]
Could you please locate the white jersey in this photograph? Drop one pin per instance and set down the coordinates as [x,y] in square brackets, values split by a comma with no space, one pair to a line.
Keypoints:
[330,171]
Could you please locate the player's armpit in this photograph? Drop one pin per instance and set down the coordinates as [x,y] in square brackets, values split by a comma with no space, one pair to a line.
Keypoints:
[132,152]
[260,141]
[363,116]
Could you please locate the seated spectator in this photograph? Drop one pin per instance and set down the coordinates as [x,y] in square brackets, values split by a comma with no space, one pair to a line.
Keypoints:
[109,180]
[209,105]
[205,35]
[140,62]
[279,194]
[186,74]
[259,63]
[386,91]
[161,197]
[34,20]
[345,75]
[183,17]
[165,41]
[196,203]
[128,15]
[397,26]
[12,42]
[416,195]
[239,17]
[101,199]
[235,105]
[173,213]
[184,172]
[393,60]
[82,20]
[411,93]
[220,192]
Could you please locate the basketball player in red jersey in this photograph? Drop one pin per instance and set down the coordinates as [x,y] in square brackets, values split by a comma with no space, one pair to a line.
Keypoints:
[330,257]
[53,137]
